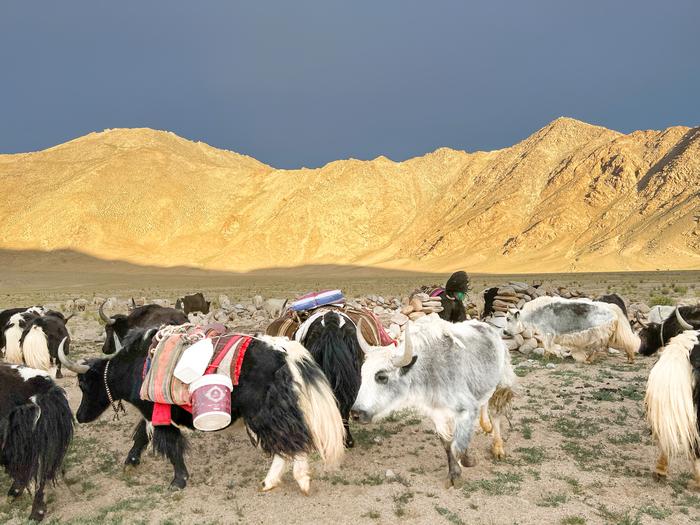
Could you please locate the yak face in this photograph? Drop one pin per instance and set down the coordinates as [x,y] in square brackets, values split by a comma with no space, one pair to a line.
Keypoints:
[384,387]
[385,376]
[94,401]
[514,324]
[651,339]
[118,329]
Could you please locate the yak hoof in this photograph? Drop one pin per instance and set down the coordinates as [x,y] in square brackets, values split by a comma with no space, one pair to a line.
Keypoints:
[178,484]
[14,492]
[467,460]
[38,513]
[266,487]
[132,461]
[305,486]
[349,442]
[497,451]
[454,481]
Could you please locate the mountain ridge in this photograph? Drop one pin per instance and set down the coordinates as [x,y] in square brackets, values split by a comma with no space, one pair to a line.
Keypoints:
[570,197]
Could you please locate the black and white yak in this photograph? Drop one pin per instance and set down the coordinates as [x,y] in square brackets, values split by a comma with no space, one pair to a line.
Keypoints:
[654,335]
[673,404]
[331,339]
[147,316]
[449,372]
[577,325]
[32,337]
[283,398]
[36,427]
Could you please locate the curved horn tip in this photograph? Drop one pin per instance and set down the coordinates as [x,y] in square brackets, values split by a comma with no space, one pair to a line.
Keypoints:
[103,316]
[684,324]
[78,368]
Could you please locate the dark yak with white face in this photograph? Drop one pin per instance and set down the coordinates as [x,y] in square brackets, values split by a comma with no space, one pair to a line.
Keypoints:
[36,427]
[447,371]
[282,396]
[148,316]
[655,335]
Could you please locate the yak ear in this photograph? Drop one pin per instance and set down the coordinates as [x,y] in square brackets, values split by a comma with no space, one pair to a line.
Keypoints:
[404,369]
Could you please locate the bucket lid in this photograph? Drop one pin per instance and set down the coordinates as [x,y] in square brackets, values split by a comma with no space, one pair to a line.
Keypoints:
[211,379]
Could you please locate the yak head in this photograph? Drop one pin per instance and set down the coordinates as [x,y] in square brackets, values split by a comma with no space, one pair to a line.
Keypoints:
[514,324]
[655,335]
[116,328]
[120,377]
[384,385]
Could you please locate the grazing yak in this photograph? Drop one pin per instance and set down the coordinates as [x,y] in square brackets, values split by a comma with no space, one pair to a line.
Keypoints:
[193,303]
[282,396]
[673,404]
[655,335]
[32,335]
[578,325]
[447,371]
[36,427]
[331,339]
[148,316]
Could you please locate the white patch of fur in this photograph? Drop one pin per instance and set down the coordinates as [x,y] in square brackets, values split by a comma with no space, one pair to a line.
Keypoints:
[319,407]
[13,352]
[27,373]
[35,349]
[670,409]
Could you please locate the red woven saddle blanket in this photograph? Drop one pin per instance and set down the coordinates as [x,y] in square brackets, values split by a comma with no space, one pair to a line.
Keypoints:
[161,386]
[372,329]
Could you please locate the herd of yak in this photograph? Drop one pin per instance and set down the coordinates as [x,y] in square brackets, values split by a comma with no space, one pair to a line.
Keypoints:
[297,395]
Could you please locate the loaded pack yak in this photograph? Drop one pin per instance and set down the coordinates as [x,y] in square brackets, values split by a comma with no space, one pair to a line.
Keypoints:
[282,396]
[36,427]
[148,316]
[449,372]
[193,303]
[578,325]
[673,404]
[31,336]
[655,335]
[331,339]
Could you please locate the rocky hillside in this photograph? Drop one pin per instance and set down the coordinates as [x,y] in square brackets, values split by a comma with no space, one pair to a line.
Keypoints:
[571,197]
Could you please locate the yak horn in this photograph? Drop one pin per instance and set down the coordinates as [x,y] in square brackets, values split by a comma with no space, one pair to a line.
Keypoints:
[108,321]
[78,368]
[644,324]
[685,325]
[407,357]
[366,347]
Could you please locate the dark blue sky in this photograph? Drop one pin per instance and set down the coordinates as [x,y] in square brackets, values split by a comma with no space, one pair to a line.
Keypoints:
[300,83]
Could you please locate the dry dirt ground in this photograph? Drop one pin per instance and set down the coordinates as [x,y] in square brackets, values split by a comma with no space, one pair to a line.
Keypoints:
[578,448]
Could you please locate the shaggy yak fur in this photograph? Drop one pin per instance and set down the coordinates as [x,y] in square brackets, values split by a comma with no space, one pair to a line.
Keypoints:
[282,396]
[336,350]
[36,427]
[673,404]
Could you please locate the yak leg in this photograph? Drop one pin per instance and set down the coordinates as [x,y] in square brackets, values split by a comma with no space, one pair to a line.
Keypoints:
[661,469]
[497,450]
[274,475]
[454,470]
[694,484]
[484,419]
[169,441]
[349,441]
[141,439]
[59,374]
[302,473]
[463,430]
[38,505]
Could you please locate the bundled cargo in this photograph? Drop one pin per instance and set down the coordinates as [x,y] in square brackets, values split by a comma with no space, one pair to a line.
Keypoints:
[316,299]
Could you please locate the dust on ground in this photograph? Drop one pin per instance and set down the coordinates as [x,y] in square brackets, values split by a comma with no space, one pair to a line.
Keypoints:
[578,448]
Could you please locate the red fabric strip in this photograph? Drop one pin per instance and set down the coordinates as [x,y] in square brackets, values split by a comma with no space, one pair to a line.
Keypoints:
[220,357]
[239,359]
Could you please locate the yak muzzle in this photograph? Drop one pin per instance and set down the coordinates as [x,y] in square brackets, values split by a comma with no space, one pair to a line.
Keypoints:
[360,416]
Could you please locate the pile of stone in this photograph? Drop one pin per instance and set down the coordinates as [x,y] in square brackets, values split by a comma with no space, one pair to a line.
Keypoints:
[510,298]
[421,304]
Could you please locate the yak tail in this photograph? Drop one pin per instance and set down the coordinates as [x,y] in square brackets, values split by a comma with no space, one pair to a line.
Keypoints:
[502,399]
[13,350]
[35,437]
[623,338]
[670,409]
[318,405]
[35,348]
